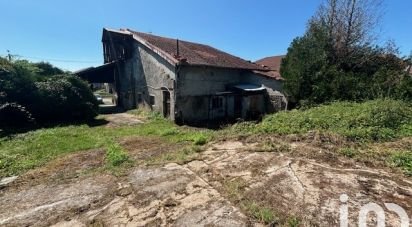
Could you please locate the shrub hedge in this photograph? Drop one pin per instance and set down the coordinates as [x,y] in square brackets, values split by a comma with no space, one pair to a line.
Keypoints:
[28,94]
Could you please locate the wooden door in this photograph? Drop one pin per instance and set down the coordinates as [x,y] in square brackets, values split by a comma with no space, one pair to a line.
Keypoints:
[166,104]
[238,106]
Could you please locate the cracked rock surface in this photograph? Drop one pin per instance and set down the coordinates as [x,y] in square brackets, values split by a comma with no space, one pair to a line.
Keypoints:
[194,194]
[302,187]
[170,195]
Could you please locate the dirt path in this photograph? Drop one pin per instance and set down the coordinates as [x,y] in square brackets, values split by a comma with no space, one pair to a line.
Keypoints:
[213,190]
[121,119]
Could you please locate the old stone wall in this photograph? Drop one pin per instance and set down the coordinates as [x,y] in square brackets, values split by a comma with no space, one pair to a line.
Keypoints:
[194,94]
[145,78]
[196,89]
[202,94]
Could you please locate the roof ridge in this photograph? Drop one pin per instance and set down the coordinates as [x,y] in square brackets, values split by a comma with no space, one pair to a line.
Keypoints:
[164,37]
[192,53]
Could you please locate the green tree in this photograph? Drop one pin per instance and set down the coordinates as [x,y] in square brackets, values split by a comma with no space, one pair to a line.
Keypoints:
[332,60]
[302,66]
[47,69]
[16,82]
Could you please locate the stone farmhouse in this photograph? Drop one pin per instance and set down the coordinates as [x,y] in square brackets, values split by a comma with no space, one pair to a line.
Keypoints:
[187,82]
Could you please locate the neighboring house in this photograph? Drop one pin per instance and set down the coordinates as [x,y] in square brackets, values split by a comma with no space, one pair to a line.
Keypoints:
[273,62]
[188,82]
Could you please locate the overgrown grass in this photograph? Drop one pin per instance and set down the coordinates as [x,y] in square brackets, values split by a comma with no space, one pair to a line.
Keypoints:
[361,129]
[235,190]
[25,151]
[396,154]
[365,124]
[199,140]
[261,213]
[293,222]
[372,121]
[403,160]
[348,152]
[377,120]
[115,155]
[146,113]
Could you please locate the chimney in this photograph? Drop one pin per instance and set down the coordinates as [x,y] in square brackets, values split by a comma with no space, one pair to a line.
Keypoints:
[177,48]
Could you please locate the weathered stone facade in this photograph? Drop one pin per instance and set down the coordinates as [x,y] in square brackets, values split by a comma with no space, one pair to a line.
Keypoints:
[186,93]
[143,76]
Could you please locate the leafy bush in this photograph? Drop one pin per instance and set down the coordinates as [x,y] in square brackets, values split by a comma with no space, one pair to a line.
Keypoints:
[377,120]
[44,96]
[65,97]
[13,114]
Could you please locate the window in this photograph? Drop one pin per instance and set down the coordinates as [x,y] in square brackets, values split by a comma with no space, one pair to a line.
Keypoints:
[217,102]
[152,100]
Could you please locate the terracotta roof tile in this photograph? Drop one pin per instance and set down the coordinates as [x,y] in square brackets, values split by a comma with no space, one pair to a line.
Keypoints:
[197,54]
[272,62]
[271,74]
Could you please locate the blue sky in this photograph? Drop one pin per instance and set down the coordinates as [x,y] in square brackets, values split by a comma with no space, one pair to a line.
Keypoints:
[68,33]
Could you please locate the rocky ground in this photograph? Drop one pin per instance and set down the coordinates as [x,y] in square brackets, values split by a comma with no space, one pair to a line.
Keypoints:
[229,183]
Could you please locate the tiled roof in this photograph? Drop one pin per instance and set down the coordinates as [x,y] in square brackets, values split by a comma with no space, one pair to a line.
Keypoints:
[195,53]
[271,62]
[271,74]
